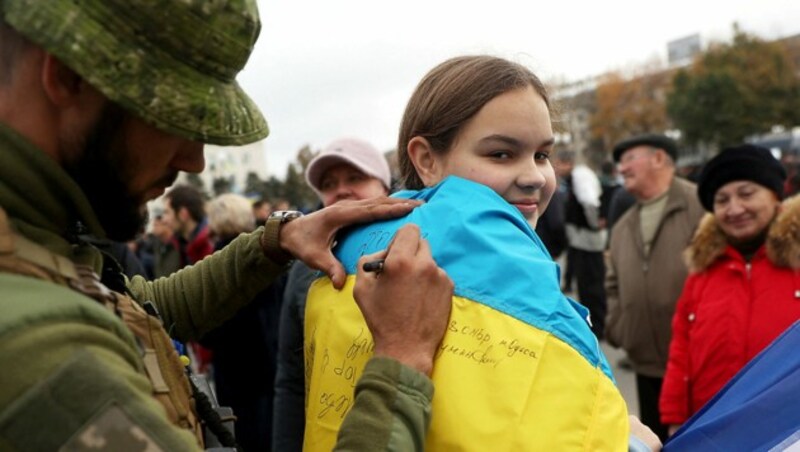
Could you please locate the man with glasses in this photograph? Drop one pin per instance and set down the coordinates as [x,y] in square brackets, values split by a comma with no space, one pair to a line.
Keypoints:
[645,273]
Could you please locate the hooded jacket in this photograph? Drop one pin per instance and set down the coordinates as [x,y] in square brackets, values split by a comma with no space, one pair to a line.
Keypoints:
[730,310]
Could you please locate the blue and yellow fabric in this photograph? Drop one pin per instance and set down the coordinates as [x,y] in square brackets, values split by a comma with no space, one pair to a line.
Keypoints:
[518,369]
[756,410]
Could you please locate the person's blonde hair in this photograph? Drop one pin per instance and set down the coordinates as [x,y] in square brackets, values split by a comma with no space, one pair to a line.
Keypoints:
[229,215]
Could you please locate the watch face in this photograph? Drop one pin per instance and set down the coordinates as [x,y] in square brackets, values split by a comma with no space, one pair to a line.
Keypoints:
[286,215]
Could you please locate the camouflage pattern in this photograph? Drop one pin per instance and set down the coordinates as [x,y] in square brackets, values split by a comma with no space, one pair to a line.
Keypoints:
[171,62]
[114,430]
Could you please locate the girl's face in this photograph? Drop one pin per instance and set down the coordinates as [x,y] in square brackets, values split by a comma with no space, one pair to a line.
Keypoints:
[506,146]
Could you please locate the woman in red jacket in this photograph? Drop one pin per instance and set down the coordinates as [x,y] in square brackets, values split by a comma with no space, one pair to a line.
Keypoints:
[744,286]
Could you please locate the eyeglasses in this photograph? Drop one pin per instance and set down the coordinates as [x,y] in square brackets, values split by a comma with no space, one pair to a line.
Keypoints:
[635,154]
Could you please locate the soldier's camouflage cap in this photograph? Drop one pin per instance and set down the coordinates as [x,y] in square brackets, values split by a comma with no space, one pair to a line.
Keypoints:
[173,63]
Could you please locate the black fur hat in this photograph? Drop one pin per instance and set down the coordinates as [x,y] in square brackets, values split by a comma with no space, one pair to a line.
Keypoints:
[745,162]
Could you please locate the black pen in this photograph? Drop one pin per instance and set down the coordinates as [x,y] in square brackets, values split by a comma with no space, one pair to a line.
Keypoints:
[373,266]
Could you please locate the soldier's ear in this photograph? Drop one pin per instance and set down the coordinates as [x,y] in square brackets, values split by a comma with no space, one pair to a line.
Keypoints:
[61,84]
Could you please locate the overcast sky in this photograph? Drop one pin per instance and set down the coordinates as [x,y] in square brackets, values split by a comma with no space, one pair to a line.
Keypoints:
[324,69]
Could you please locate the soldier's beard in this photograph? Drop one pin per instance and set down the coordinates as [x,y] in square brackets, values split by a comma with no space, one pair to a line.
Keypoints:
[100,172]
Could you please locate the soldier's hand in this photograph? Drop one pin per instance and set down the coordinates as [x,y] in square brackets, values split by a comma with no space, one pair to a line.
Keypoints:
[310,238]
[407,304]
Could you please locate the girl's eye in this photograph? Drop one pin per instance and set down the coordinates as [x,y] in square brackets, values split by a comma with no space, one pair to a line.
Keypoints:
[500,155]
[542,156]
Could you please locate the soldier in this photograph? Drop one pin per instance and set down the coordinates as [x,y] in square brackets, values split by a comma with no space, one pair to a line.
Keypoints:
[102,102]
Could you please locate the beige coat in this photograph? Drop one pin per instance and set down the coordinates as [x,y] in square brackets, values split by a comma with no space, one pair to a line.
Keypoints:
[642,290]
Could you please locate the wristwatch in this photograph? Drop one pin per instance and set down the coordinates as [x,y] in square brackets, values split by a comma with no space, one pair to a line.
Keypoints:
[271,237]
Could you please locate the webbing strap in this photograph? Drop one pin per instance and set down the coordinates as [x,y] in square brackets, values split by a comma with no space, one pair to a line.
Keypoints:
[22,256]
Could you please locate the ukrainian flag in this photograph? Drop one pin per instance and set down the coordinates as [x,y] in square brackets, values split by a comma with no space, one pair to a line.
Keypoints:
[518,369]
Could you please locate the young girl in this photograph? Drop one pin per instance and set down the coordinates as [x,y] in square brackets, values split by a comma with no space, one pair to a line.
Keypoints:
[519,368]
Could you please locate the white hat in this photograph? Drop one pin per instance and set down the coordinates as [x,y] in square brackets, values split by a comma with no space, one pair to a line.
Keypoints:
[352,151]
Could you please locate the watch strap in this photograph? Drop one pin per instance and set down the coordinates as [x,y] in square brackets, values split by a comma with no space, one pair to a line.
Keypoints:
[271,240]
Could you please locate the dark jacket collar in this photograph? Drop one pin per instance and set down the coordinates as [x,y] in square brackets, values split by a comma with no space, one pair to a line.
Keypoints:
[42,201]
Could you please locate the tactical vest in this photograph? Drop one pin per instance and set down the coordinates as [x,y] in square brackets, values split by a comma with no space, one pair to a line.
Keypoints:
[162,365]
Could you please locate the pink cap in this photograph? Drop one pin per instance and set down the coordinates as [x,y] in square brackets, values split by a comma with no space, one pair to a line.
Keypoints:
[352,151]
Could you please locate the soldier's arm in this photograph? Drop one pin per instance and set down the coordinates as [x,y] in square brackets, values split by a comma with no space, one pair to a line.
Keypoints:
[392,409]
[199,298]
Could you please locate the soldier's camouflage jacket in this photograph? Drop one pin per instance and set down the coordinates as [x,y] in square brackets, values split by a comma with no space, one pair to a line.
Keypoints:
[74,376]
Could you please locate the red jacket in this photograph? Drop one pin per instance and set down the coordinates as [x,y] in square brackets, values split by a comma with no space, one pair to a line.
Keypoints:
[729,311]
[198,247]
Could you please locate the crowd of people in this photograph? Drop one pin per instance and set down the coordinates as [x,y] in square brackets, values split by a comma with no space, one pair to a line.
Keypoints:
[436,318]
[673,311]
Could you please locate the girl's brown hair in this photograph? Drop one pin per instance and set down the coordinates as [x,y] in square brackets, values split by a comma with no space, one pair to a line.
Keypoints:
[449,95]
